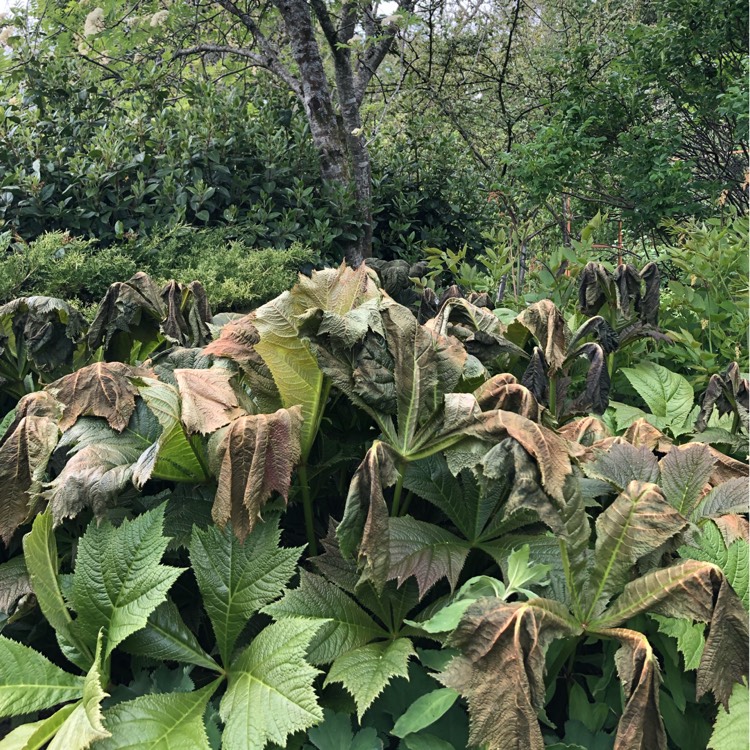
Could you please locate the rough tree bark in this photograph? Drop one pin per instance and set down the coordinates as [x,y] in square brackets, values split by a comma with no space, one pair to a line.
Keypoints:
[332,107]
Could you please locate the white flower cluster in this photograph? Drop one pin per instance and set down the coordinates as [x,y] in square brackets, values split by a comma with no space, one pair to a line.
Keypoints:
[94,23]
[159,18]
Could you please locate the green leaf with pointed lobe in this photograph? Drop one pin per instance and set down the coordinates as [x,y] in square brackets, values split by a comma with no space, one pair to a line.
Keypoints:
[365,671]
[732,728]
[30,682]
[167,638]
[270,692]
[236,579]
[727,497]
[689,635]
[345,625]
[171,721]
[37,734]
[335,733]
[426,710]
[119,580]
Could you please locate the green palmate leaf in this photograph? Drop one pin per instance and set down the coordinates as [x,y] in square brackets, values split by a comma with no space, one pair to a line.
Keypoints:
[293,366]
[167,638]
[30,682]
[426,741]
[256,457]
[731,729]
[501,668]
[84,724]
[728,497]
[641,726]
[622,464]
[237,579]
[669,396]
[690,637]
[734,560]
[365,671]
[37,734]
[335,733]
[40,553]
[424,711]
[24,455]
[118,580]
[636,523]
[684,473]
[426,552]
[344,624]
[159,722]
[270,694]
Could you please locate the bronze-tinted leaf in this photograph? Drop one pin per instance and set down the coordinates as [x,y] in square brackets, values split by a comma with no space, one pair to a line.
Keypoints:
[547,325]
[728,497]
[592,283]
[641,726]
[641,330]
[601,330]
[595,396]
[648,308]
[16,593]
[628,285]
[24,454]
[500,670]
[260,453]
[207,398]
[643,434]
[685,471]
[622,464]
[187,313]
[364,527]
[99,390]
[585,430]
[727,468]
[714,392]
[535,376]
[733,527]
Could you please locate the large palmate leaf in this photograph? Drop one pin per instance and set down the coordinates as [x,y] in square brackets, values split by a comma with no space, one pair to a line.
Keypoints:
[103,389]
[237,579]
[30,682]
[159,722]
[256,457]
[426,552]
[119,580]
[668,395]
[270,694]
[335,733]
[636,523]
[294,367]
[500,670]
[365,671]
[24,454]
[697,591]
[344,624]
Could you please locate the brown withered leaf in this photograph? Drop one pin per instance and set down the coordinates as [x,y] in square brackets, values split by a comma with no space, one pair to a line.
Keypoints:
[260,452]
[592,281]
[24,454]
[628,285]
[500,669]
[733,527]
[641,726]
[207,398]
[726,468]
[643,434]
[503,392]
[714,392]
[598,327]
[364,528]
[99,390]
[187,313]
[547,325]
[595,396]
[585,430]
[535,376]
[648,308]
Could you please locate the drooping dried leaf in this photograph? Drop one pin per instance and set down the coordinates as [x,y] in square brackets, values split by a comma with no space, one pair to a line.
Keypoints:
[260,452]
[187,313]
[208,400]
[585,430]
[727,468]
[24,454]
[648,308]
[643,433]
[641,726]
[714,392]
[547,325]
[628,285]
[601,330]
[103,389]
[685,471]
[364,526]
[641,330]
[595,396]
[49,328]
[637,522]
[503,392]
[592,283]
[500,670]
